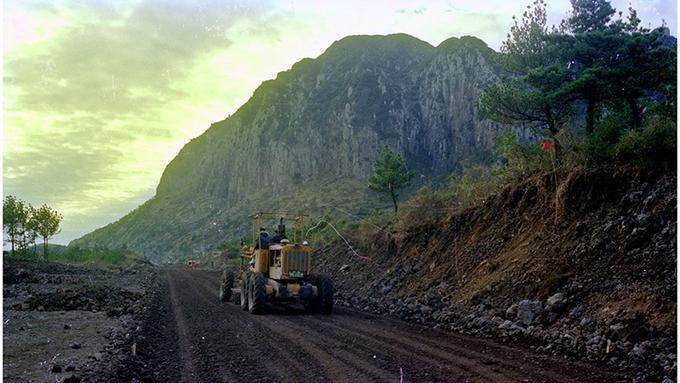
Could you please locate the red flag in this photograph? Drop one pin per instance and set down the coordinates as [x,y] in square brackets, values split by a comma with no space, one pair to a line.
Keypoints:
[546,145]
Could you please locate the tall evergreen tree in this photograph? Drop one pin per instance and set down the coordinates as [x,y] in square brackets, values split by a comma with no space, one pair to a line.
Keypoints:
[530,92]
[614,68]
[590,15]
[615,64]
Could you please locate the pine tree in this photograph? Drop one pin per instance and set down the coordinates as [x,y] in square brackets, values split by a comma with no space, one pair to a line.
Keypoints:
[531,93]
[391,173]
[13,212]
[47,225]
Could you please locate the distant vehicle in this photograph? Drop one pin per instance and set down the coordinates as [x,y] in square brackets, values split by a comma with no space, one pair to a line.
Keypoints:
[277,271]
[191,263]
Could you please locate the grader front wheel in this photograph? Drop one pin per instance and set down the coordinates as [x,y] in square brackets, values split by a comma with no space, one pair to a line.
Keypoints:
[257,293]
[226,286]
[325,294]
[323,302]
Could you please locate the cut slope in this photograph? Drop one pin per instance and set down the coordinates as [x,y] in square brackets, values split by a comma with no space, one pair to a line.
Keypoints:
[605,239]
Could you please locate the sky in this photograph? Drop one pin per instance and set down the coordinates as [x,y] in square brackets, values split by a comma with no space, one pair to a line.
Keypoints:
[100,95]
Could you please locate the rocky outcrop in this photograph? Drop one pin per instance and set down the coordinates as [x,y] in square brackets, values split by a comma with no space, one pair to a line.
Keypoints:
[309,139]
[331,117]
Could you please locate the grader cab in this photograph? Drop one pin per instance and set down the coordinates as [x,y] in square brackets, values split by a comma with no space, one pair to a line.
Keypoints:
[277,268]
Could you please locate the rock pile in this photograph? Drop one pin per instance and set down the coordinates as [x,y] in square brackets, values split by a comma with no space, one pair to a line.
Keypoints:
[114,301]
[556,326]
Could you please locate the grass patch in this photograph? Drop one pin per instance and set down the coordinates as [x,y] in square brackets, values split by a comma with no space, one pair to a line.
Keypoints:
[97,256]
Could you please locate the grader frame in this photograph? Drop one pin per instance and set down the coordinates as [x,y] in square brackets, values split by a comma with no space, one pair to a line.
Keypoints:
[279,272]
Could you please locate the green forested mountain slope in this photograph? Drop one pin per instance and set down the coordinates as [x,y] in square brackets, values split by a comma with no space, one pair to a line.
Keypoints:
[308,140]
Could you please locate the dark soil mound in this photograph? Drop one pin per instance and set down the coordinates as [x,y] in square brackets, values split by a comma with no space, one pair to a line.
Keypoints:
[89,298]
[17,270]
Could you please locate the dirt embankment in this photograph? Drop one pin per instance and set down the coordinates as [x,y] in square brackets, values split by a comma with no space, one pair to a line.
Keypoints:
[576,263]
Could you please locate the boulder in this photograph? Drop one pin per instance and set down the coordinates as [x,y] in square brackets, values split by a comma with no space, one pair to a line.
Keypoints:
[527,311]
[556,303]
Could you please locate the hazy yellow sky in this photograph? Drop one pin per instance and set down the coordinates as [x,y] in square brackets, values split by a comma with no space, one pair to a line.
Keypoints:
[100,95]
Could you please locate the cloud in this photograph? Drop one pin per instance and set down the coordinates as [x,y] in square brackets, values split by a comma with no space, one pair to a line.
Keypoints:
[113,63]
[94,93]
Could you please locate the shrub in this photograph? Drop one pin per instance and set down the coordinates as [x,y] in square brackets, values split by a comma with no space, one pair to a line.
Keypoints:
[654,146]
[519,158]
[97,255]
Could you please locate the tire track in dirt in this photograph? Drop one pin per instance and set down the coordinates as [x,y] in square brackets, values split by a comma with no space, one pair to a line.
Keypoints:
[330,354]
[363,350]
[219,342]
[440,350]
[178,305]
[406,355]
[210,351]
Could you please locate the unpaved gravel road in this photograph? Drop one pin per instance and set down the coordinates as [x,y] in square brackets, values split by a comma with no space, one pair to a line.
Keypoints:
[201,339]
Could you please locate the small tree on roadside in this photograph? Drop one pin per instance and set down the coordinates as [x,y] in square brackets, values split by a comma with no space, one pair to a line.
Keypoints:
[31,231]
[391,173]
[16,223]
[12,209]
[46,225]
[23,224]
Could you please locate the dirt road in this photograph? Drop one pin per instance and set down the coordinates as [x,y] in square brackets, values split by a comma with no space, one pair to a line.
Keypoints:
[198,338]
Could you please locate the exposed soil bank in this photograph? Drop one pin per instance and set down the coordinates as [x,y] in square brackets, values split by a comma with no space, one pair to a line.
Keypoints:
[576,263]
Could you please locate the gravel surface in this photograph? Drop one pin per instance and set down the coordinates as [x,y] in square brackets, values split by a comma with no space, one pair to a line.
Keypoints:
[69,324]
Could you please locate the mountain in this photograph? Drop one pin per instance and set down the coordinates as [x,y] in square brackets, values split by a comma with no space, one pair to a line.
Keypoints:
[308,140]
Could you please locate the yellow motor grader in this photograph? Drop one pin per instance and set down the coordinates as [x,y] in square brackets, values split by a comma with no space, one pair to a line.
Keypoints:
[276,268]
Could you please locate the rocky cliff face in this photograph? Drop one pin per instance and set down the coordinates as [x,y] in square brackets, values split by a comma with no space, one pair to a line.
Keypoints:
[308,140]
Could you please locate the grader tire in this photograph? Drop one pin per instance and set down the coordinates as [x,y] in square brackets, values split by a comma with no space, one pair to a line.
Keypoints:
[245,285]
[257,293]
[325,288]
[226,286]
